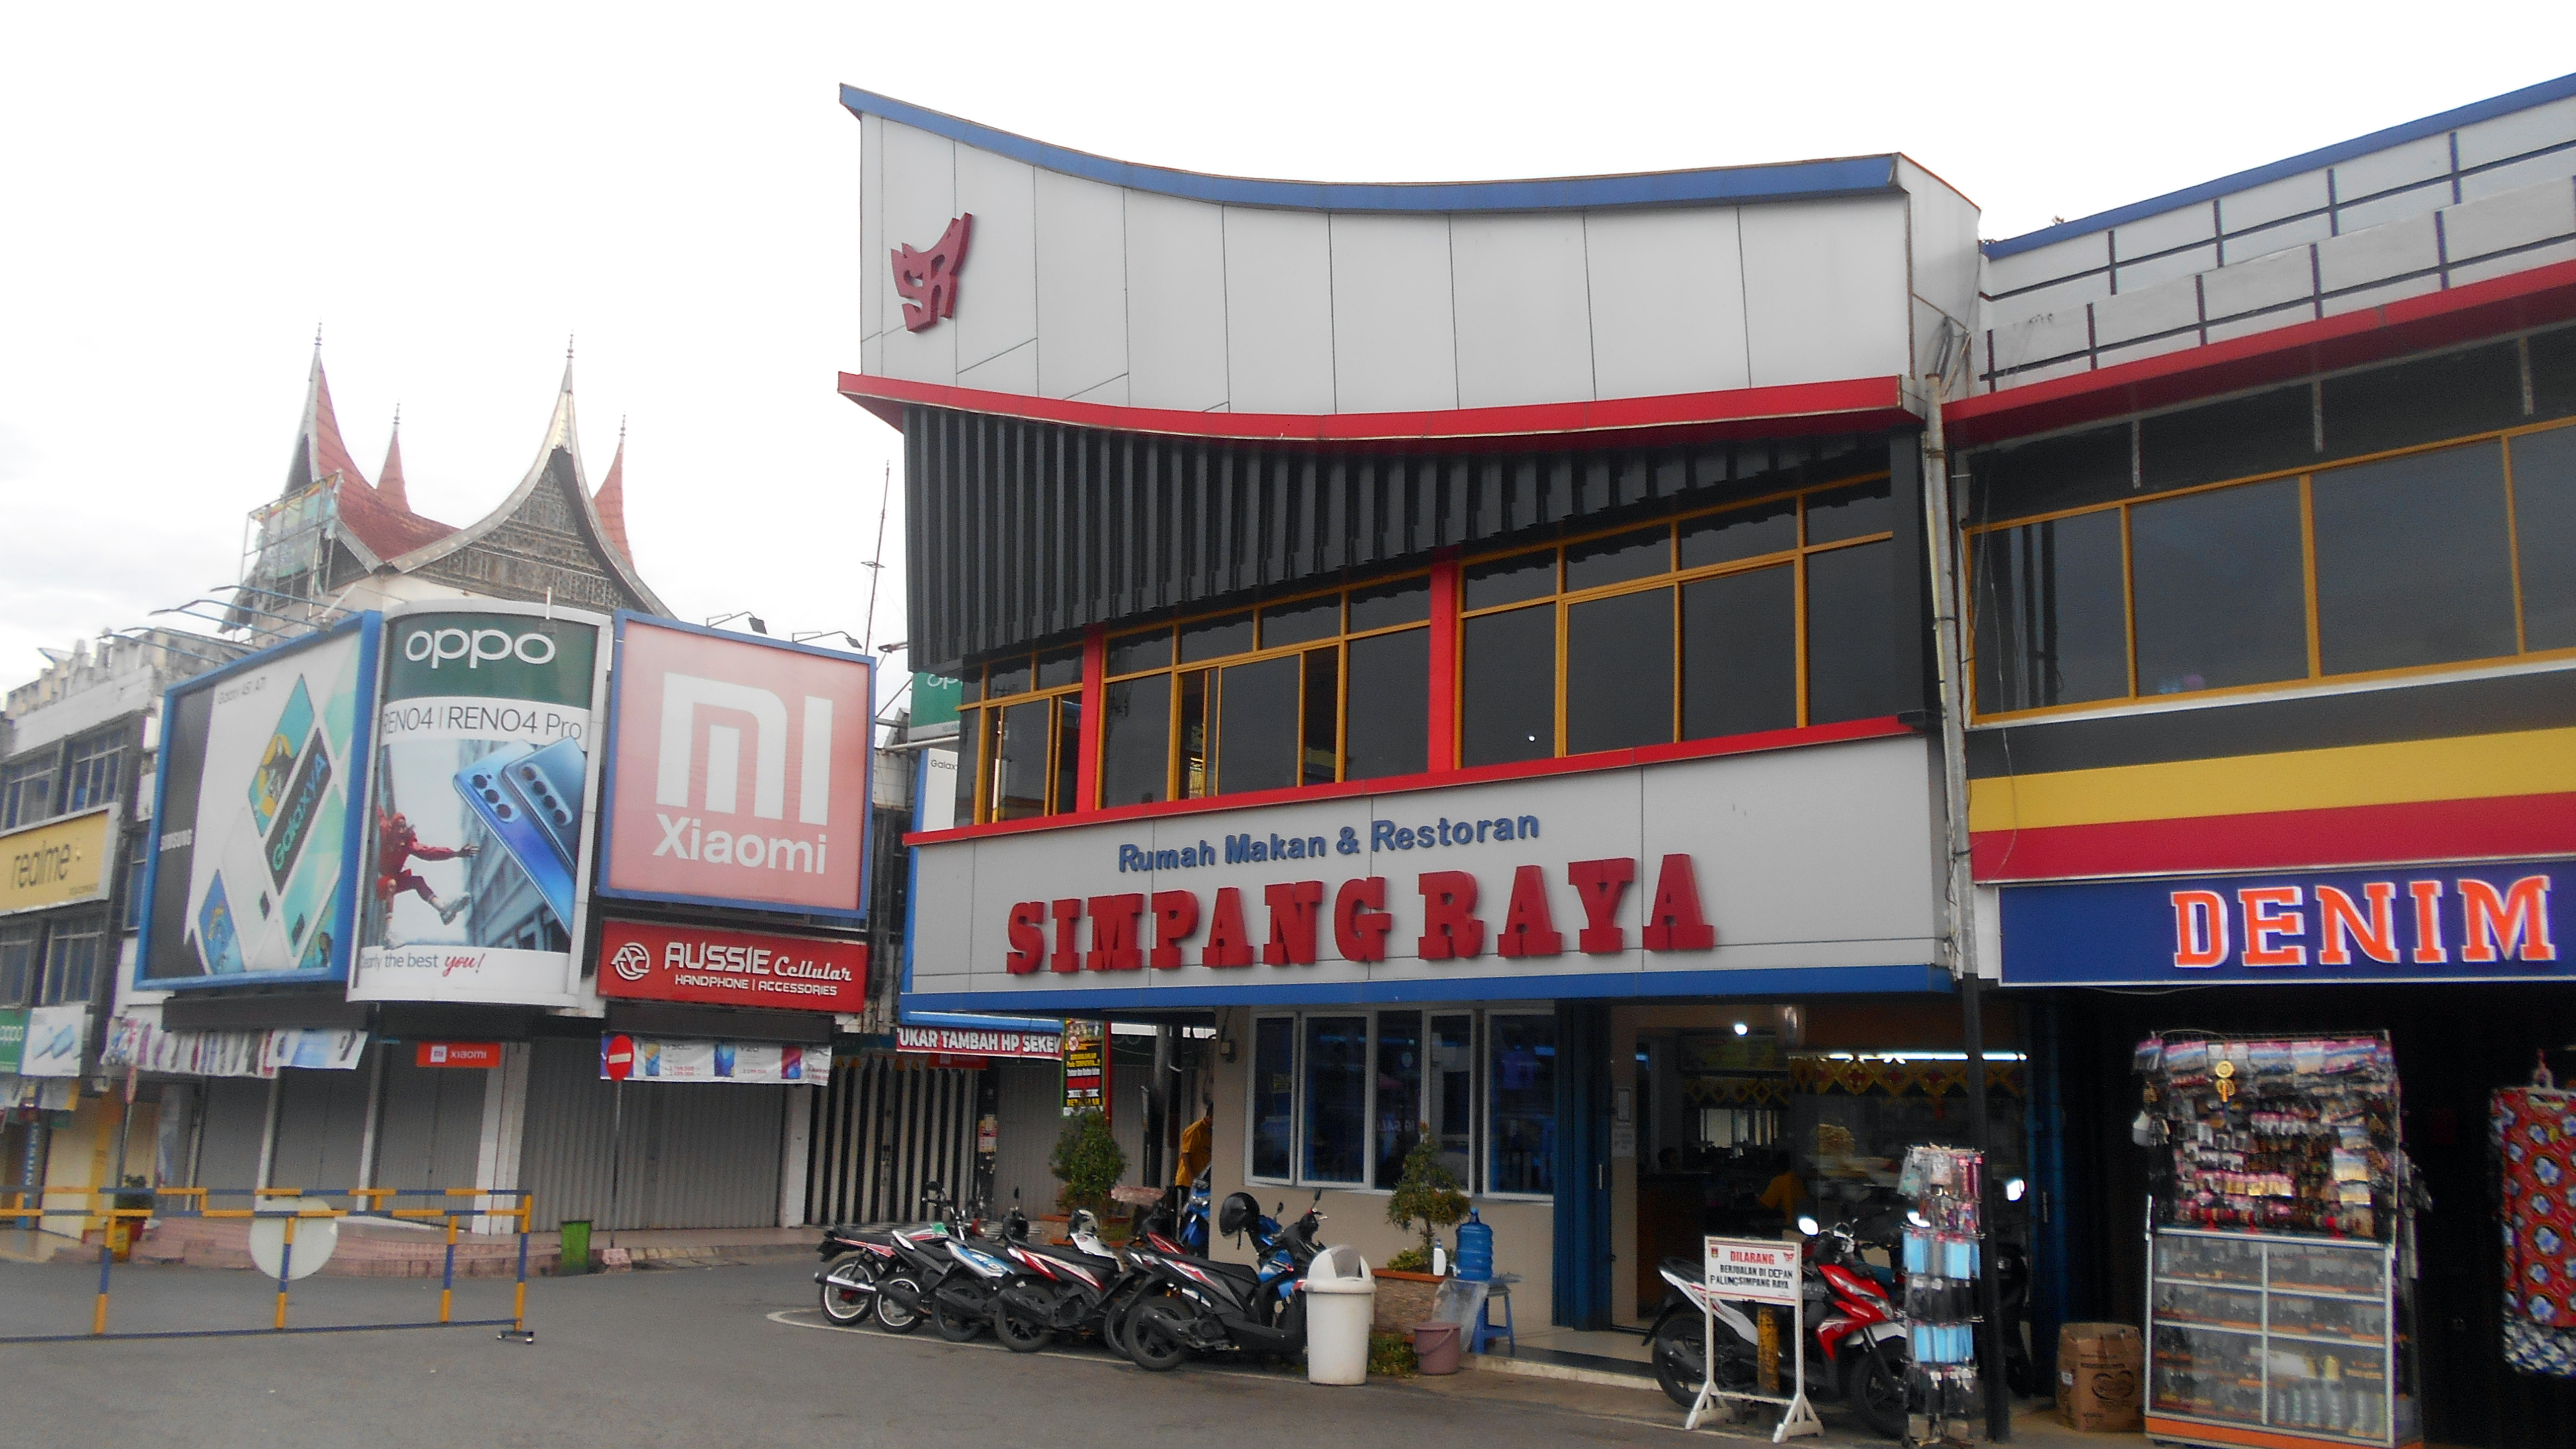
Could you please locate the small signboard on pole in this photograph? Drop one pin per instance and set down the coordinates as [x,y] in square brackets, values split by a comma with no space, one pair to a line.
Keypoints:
[1760,1271]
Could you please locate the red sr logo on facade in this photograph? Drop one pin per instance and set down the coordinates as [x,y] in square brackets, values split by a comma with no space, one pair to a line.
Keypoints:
[927,280]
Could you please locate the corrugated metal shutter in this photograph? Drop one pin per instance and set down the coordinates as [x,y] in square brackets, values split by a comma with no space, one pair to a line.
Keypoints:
[1032,1115]
[693,1155]
[883,1130]
[228,1147]
[432,1130]
[321,1124]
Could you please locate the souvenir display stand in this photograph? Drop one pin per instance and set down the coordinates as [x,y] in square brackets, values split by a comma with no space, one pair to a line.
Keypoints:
[2281,1274]
[1942,1246]
[2533,1130]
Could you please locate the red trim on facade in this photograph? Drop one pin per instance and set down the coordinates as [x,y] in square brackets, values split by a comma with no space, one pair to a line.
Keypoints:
[1860,729]
[2534,298]
[1852,404]
[2519,825]
[1442,751]
[1095,669]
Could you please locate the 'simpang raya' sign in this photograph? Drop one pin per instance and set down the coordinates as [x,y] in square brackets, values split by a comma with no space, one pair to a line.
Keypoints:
[1808,870]
[738,771]
[257,832]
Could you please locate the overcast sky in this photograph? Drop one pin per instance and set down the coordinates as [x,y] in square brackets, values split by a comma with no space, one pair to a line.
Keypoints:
[185,191]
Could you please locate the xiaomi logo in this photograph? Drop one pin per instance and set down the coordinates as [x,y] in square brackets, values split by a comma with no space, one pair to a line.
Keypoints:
[684,697]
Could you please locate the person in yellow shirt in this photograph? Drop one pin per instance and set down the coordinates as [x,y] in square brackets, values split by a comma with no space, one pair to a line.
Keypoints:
[1785,1193]
[1198,1147]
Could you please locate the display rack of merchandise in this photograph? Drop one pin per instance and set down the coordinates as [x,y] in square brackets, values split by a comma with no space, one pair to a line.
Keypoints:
[2533,1131]
[1942,1246]
[2280,1293]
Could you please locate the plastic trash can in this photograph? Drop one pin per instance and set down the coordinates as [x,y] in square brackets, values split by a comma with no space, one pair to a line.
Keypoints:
[575,1257]
[1341,1302]
[1435,1347]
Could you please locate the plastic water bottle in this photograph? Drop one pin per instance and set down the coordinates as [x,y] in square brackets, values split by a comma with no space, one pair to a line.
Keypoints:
[1475,1249]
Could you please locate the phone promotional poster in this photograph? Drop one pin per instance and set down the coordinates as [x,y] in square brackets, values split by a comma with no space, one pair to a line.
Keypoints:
[480,820]
[263,770]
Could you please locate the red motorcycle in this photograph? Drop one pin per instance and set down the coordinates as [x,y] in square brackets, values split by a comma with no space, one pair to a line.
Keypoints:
[1856,1346]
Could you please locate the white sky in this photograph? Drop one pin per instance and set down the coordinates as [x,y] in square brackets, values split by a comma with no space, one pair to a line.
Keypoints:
[186,190]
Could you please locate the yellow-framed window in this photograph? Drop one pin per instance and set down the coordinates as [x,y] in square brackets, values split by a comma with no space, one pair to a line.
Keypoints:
[1306,689]
[2418,559]
[1019,732]
[1768,614]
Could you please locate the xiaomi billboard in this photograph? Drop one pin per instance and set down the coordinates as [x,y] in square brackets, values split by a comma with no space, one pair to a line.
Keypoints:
[738,771]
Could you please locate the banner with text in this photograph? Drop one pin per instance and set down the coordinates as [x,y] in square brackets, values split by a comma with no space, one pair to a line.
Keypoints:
[654,962]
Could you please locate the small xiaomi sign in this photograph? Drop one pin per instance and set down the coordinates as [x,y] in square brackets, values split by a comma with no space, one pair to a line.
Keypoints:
[737,771]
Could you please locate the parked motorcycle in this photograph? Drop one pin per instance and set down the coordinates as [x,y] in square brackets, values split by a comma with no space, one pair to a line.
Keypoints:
[1052,1290]
[1856,1349]
[1210,1307]
[859,1263]
[961,1294]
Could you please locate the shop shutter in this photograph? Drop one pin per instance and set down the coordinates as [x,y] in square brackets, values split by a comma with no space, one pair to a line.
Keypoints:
[228,1143]
[321,1125]
[883,1130]
[432,1128]
[1032,1114]
[692,1155]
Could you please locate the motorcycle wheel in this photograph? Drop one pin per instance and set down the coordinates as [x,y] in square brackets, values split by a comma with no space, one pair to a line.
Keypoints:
[1018,1334]
[1677,1365]
[1120,1317]
[898,1312]
[1156,1341]
[846,1307]
[954,1326]
[1874,1386]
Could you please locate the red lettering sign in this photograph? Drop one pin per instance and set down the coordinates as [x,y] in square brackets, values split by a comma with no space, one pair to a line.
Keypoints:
[927,280]
[2497,924]
[456,1054]
[768,970]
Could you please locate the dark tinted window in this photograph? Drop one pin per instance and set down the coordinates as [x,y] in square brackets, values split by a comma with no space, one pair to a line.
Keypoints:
[1068,752]
[1216,638]
[2051,626]
[1336,1098]
[971,688]
[972,727]
[2222,440]
[2053,473]
[2544,526]
[1140,651]
[1194,781]
[1060,667]
[1387,718]
[2218,583]
[1740,653]
[1323,713]
[1851,651]
[1520,1149]
[2413,561]
[2553,373]
[1020,766]
[1740,533]
[1507,691]
[1510,580]
[1854,512]
[1274,1094]
[1256,745]
[1009,678]
[1406,601]
[1619,558]
[1619,672]
[1135,740]
[1399,1091]
[2423,401]
[1300,622]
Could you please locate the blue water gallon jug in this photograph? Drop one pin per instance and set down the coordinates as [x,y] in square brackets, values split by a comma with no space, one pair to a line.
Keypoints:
[1475,1249]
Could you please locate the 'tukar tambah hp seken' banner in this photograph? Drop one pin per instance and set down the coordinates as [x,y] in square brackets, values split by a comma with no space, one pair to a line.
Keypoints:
[480,824]
[257,826]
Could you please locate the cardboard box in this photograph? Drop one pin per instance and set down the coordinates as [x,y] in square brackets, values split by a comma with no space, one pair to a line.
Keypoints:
[2101,1372]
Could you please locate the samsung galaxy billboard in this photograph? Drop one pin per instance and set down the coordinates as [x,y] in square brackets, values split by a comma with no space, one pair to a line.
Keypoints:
[257,816]
[480,829]
[738,771]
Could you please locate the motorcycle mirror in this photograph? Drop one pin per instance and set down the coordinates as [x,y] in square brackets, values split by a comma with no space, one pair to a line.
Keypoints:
[1809,1226]
[2014,1187]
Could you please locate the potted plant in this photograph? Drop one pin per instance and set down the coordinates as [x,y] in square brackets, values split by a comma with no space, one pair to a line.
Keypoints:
[1427,1198]
[1088,1161]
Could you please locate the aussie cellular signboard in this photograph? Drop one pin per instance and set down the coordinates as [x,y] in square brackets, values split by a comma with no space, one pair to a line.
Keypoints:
[737,771]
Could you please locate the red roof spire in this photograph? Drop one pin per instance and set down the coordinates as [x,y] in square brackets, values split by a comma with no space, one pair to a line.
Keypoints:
[610,500]
[389,478]
[319,452]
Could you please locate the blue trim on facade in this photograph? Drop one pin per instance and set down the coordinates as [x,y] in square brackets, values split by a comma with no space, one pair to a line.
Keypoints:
[353,844]
[969,1021]
[1796,180]
[1785,981]
[608,774]
[2511,101]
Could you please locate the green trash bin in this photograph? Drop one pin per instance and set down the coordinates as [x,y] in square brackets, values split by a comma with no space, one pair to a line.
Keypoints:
[576,1247]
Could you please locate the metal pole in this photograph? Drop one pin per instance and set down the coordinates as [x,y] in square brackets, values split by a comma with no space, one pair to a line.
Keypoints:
[1990,1344]
[616,1154]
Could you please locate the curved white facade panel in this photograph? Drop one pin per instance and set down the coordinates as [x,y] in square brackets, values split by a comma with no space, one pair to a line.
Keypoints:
[1079,288]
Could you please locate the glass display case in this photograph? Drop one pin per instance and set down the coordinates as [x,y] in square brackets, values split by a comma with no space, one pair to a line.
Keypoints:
[2308,1340]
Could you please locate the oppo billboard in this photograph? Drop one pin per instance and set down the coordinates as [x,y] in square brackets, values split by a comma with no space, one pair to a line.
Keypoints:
[738,771]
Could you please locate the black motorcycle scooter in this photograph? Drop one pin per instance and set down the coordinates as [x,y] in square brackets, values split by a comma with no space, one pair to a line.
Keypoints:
[858,1263]
[1213,1306]
[1054,1290]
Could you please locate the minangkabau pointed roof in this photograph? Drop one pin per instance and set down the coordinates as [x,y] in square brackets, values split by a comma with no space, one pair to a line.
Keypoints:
[389,478]
[319,453]
[610,501]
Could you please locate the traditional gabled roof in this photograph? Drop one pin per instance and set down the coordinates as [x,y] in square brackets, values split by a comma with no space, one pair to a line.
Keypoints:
[319,453]
[558,457]
[389,478]
[610,501]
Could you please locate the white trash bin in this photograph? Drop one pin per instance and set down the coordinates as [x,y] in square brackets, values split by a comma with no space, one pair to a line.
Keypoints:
[1341,1303]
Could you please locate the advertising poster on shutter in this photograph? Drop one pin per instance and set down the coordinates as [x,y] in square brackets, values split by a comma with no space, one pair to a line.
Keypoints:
[480,826]
[658,1059]
[262,782]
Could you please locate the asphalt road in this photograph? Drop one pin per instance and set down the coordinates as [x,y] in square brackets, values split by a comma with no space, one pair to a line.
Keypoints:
[679,1357]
